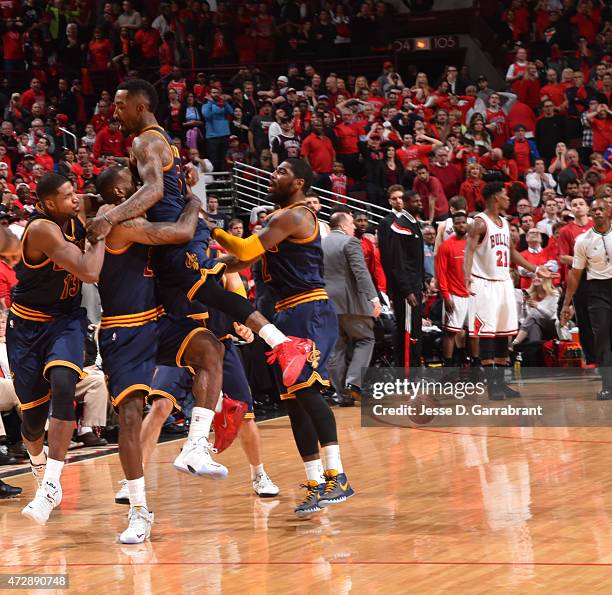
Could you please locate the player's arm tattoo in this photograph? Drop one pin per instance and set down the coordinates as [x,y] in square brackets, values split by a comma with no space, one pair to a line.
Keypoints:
[164,232]
[148,154]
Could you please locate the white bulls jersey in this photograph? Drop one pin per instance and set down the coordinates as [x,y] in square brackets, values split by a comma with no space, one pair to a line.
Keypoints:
[492,255]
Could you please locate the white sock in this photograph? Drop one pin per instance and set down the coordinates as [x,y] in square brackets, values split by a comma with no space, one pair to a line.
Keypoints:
[331,456]
[136,489]
[84,430]
[271,335]
[39,459]
[219,406]
[201,419]
[53,471]
[256,470]
[314,471]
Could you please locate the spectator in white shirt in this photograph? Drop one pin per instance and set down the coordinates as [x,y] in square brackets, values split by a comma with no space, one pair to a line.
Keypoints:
[538,181]
[545,225]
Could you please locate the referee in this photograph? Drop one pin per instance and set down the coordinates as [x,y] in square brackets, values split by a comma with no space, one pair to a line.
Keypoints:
[593,252]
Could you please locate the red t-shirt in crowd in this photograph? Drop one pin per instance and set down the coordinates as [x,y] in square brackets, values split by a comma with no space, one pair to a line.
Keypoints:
[537,259]
[372,259]
[147,41]
[45,160]
[8,280]
[567,239]
[449,267]
[432,187]
[450,177]
[12,42]
[348,137]
[522,153]
[420,152]
[29,98]
[109,142]
[320,153]
[602,134]
[100,54]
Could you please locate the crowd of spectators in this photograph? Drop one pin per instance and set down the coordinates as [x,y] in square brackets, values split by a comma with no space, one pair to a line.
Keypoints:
[546,132]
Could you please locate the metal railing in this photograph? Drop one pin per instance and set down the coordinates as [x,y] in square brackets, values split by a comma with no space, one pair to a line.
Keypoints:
[250,185]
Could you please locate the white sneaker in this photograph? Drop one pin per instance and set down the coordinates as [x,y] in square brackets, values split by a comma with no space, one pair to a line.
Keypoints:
[195,459]
[47,497]
[140,521]
[264,487]
[123,495]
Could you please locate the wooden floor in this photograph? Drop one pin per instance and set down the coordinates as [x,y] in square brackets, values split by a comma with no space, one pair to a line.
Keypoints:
[437,510]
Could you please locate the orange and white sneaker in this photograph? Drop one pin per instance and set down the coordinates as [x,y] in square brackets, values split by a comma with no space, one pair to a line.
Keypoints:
[226,422]
[291,357]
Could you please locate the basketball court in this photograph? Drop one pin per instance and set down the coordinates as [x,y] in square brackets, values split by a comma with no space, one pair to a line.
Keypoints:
[474,510]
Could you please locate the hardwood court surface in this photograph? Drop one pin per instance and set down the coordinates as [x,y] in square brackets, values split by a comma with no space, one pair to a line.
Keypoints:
[511,510]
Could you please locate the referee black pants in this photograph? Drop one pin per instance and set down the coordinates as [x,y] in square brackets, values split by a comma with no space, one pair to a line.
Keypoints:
[600,312]
[409,331]
[583,317]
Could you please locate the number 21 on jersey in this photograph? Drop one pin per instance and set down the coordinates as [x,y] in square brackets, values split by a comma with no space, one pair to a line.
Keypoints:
[502,259]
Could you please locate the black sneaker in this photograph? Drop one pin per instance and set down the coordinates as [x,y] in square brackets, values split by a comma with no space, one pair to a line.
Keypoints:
[604,395]
[337,489]
[310,504]
[8,491]
[5,458]
[502,387]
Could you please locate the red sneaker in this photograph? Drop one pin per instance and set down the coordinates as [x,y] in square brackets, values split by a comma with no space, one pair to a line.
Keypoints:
[227,422]
[291,356]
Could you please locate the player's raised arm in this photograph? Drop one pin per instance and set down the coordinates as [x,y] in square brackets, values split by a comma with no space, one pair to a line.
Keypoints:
[279,228]
[49,240]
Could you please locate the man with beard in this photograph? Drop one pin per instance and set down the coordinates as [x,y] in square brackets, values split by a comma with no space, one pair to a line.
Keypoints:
[290,246]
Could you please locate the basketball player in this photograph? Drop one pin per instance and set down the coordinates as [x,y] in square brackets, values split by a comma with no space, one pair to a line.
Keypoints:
[290,248]
[161,196]
[492,306]
[449,273]
[134,337]
[446,229]
[46,331]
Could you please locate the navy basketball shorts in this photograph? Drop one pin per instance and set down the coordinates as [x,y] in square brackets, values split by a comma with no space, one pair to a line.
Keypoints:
[35,347]
[186,267]
[317,321]
[128,359]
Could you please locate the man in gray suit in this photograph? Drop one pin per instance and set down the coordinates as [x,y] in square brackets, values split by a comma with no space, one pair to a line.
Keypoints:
[352,291]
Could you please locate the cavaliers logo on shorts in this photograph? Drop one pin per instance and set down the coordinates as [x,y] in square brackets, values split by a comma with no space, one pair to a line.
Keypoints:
[191,261]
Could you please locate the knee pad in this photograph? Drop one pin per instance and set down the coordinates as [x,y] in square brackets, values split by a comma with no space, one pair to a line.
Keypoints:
[487,348]
[33,422]
[63,385]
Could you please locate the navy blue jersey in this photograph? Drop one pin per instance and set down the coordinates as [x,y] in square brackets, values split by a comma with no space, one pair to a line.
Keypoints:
[46,290]
[127,285]
[170,207]
[295,266]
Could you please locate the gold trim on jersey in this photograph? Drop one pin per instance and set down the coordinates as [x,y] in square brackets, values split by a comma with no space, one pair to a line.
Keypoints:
[41,401]
[311,295]
[173,149]
[29,314]
[66,364]
[220,266]
[123,250]
[155,392]
[45,262]
[137,319]
[181,350]
[127,391]
[314,377]
[199,317]
[312,237]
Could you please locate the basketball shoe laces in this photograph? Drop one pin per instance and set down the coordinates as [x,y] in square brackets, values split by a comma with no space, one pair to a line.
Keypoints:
[330,484]
[311,488]
[202,444]
[138,519]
